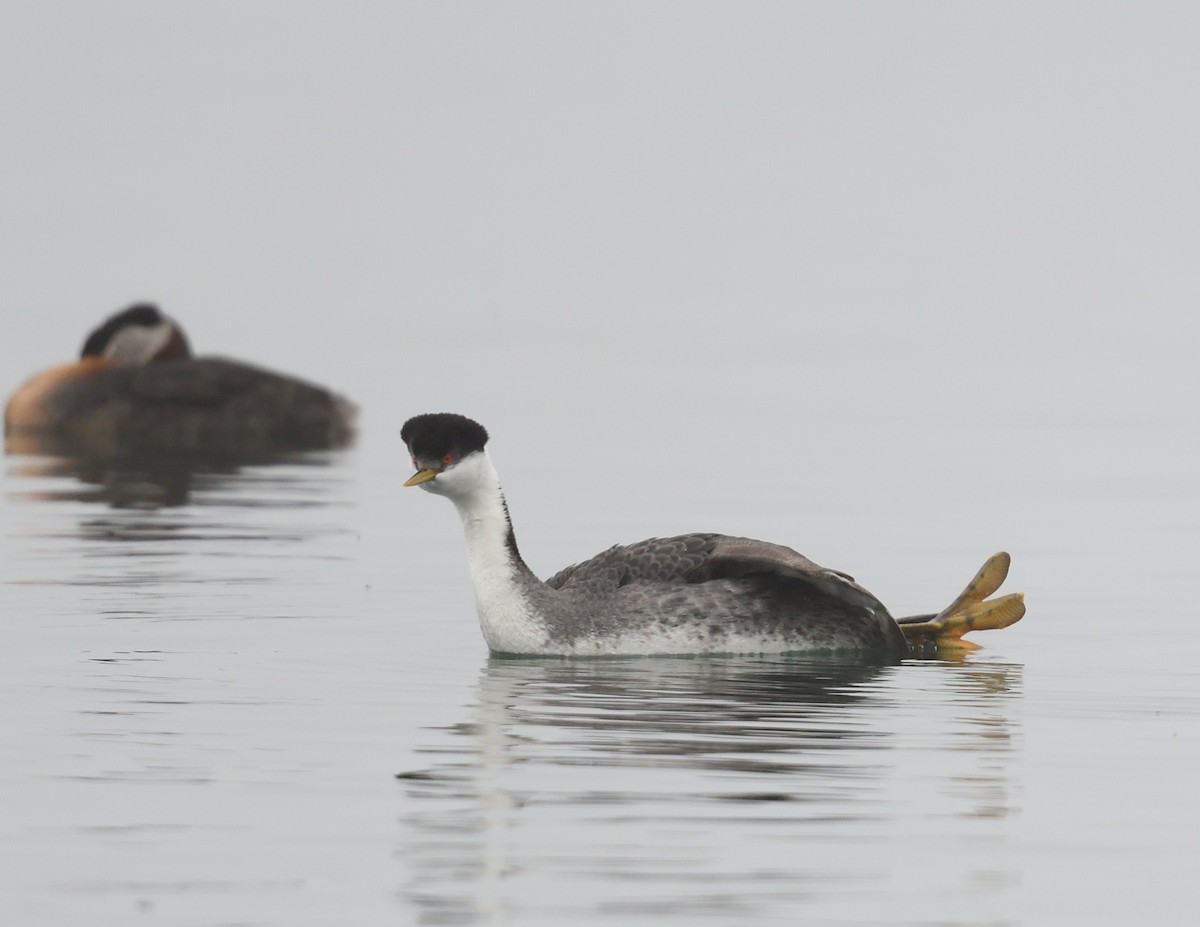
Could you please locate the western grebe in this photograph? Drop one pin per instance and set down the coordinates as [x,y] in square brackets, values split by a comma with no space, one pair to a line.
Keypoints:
[137,386]
[697,593]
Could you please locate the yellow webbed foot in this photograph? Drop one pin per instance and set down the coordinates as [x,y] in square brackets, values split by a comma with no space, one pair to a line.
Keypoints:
[971,610]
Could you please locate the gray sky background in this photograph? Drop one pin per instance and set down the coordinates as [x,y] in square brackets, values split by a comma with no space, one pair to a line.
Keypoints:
[703,232]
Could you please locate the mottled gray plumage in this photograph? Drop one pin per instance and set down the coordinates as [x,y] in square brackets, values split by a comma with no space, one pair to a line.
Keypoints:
[724,585]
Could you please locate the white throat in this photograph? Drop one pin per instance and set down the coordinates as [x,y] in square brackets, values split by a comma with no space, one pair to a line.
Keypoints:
[503,584]
[138,344]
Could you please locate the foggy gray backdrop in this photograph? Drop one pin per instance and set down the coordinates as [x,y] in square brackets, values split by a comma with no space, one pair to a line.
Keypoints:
[903,230]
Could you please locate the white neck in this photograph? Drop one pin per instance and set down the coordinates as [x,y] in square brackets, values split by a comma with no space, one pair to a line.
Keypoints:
[504,586]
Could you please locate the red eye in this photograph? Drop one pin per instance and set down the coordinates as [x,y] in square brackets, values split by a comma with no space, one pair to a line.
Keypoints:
[448,459]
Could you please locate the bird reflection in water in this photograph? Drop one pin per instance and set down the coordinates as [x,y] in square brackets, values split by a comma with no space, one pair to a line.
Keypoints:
[150,479]
[677,787]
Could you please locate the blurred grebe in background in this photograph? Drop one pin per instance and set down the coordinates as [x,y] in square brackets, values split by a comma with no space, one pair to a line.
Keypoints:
[137,388]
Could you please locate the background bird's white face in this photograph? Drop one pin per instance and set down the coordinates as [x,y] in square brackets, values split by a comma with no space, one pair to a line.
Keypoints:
[138,344]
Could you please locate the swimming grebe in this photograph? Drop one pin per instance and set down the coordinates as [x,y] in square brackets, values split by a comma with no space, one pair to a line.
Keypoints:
[137,386]
[697,593]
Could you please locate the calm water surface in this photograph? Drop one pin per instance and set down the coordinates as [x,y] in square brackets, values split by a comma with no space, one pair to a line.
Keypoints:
[260,697]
